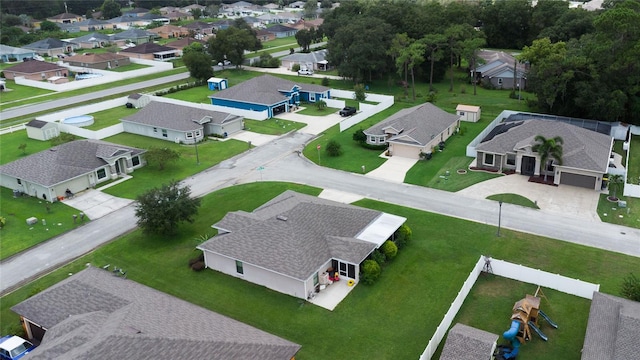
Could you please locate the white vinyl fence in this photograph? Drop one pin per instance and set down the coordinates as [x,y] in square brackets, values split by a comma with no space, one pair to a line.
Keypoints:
[630,187]
[510,271]
[249,114]
[366,110]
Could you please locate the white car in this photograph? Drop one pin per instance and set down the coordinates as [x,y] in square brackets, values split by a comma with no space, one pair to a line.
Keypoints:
[224,63]
[38,58]
[305,72]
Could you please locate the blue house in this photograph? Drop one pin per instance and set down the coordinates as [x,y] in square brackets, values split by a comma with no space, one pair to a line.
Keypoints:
[269,93]
[217,83]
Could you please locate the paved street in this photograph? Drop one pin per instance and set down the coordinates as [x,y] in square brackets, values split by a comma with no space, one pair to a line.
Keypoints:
[279,162]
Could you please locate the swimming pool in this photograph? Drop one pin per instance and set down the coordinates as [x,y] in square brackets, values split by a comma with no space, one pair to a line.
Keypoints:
[79,121]
[82,76]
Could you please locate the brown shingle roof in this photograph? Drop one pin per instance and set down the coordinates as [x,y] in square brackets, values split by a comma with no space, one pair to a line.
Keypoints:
[95,58]
[34,67]
[147,48]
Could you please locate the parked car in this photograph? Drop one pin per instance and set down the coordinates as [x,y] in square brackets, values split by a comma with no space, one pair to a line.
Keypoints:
[348,111]
[305,72]
[224,63]
[61,56]
[38,57]
[14,347]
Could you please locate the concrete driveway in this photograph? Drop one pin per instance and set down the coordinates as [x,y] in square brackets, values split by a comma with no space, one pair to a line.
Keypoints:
[96,204]
[566,200]
[255,138]
[394,169]
[315,124]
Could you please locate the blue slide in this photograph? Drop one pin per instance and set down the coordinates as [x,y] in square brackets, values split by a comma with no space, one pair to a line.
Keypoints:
[546,317]
[537,331]
[511,336]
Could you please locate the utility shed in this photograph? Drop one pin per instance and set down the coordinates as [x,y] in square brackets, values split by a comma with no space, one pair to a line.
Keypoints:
[468,113]
[217,83]
[468,343]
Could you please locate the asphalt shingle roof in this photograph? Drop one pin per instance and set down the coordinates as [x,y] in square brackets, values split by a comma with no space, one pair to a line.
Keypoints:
[147,48]
[264,90]
[34,67]
[92,58]
[92,37]
[177,117]
[312,57]
[134,34]
[48,44]
[315,230]
[419,124]
[10,50]
[94,314]
[468,343]
[581,148]
[39,124]
[63,162]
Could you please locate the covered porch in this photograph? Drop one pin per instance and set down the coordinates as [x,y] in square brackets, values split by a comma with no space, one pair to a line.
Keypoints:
[331,295]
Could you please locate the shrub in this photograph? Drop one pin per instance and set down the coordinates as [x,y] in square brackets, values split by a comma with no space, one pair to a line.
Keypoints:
[389,249]
[369,272]
[359,136]
[196,259]
[62,138]
[631,288]
[333,148]
[198,266]
[325,81]
[295,67]
[431,97]
[3,221]
[463,89]
[321,105]
[402,236]
[359,94]
[378,257]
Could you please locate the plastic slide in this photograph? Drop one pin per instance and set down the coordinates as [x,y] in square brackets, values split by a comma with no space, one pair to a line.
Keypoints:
[537,331]
[547,319]
[515,343]
[513,331]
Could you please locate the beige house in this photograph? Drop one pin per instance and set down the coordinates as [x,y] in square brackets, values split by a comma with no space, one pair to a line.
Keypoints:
[65,18]
[468,113]
[102,61]
[35,70]
[170,31]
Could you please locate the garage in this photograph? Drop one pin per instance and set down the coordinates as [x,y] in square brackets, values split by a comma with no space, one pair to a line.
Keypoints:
[411,152]
[584,181]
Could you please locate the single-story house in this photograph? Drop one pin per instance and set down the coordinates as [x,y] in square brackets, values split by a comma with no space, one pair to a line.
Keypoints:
[138,100]
[177,15]
[93,25]
[292,241]
[178,123]
[217,83]
[93,41]
[469,113]
[308,24]
[65,18]
[413,131]
[10,53]
[42,130]
[96,314]
[170,31]
[585,158]
[103,61]
[200,27]
[282,31]
[136,12]
[269,93]
[51,47]
[223,24]
[35,70]
[498,70]
[613,328]
[151,51]
[76,165]
[315,60]
[134,36]
[184,42]
[468,343]
[263,35]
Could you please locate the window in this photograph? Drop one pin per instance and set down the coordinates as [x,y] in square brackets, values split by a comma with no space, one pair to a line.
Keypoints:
[315,279]
[135,161]
[19,182]
[511,159]
[499,81]
[164,133]
[102,173]
[155,130]
[239,268]
[189,135]
[461,113]
[488,159]
[198,133]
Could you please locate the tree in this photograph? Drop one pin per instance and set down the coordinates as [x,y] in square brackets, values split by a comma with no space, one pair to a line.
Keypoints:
[548,148]
[398,45]
[310,8]
[48,26]
[614,184]
[433,43]
[199,65]
[111,9]
[631,288]
[160,210]
[304,38]
[161,156]
[455,34]
[231,44]
[358,92]
[197,13]
[193,47]
[321,105]
[23,148]
[334,148]
[412,56]
[470,47]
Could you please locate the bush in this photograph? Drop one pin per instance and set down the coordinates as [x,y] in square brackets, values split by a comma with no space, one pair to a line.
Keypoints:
[62,138]
[359,93]
[631,288]
[359,136]
[463,89]
[369,272]
[194,260]
[333,148]
[3,221]
[431,97]
[198,266]
[295,67]
[321,105]
[378,257]
[402,236]
[325,81]
[389,249]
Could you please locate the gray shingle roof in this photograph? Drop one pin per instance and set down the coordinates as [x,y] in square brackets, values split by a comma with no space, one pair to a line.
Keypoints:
[133,34]
[613,329]
[315,230]
[147,48]
[39,124]
[468,343]
[64,162]
[96,315]
[419,124]
[10,50]
[177,117]
[93,37]
[35,67]
[312,57]
[581,148]
[47,44]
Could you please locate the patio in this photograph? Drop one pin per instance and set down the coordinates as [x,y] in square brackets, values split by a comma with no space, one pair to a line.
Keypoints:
[333,294]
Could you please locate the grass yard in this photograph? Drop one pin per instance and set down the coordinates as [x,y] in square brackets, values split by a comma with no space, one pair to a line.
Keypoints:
[17,235]
[109,117]
[9,144]
[392,319]
[129,67]
[441,172]
[610,211]
[514,199]
[281,43]
[273,126]
[210,153]
[313,110]
[633,175]
[200,94]
[17,93]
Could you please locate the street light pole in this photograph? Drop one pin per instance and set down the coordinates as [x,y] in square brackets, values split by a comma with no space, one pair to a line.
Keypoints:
[499,217]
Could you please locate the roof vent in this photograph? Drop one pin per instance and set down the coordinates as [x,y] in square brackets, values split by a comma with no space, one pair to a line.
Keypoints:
[281,217]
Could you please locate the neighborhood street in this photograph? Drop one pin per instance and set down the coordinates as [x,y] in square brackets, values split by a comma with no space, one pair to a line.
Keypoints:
[279,161]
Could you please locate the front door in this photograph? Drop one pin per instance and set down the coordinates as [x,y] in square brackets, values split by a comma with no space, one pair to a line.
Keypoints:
[528,166]
[118,167]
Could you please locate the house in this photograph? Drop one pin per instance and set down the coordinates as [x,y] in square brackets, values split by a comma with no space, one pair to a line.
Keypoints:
[468,343]
[76,165]
[65,18]
[281,31]
[180,124]
[136,12]
[290,243]
[190,8]
[613,329]
[151,51]
[308,24]
[41,130]
[315,60]
[95,314]
[135,36]
[177,15]
[585,158]
[269,93]
[200,27]
[468,112]
[10,53]
[93,41]
[103,61]
[92,25]
[35,70]
[217,83]
[184,42]
[170,31]
[51,47]
[413,131]
[263,35]
[223,24]
[498,70]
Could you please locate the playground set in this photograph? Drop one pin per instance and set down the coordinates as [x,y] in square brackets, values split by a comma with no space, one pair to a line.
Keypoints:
[524,320]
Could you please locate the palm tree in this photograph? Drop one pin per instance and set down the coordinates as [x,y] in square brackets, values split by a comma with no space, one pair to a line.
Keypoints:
[614,184]
[548,148]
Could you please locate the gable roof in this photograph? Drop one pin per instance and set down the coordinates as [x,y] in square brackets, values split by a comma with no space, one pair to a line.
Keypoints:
[417,125]
[10,50]
[265,90]
[147,48]
[38,124]
[468,343]
[581,148]
[48,44]
[295,234]
[64,16]
[312,57]
[177,117]
[94,314]
[278,28]
[95,36]
[613,329]
[199,25]
[134,34]
[34,67]
[181,43]
[468,108]
[63,162]
[92,58]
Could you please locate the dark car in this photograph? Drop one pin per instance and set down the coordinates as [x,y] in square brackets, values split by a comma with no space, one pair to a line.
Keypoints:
[348,111]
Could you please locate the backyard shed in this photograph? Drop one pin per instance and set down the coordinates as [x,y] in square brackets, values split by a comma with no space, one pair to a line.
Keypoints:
[138,100]
[42,130]
[468,113]
[466,342]
[217,83]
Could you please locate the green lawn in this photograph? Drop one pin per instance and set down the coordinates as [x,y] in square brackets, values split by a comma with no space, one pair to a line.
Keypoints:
[210,153]
[106,118]
[633,175]
[273,126]
[129,67]
[16,93]
[17,235]
[280,43]
[514,199]
[398,314]
[201,94]
[9,144]
[610,211]
[312,110]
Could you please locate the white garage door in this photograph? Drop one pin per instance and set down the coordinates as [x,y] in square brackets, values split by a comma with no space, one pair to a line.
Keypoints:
[406,151]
